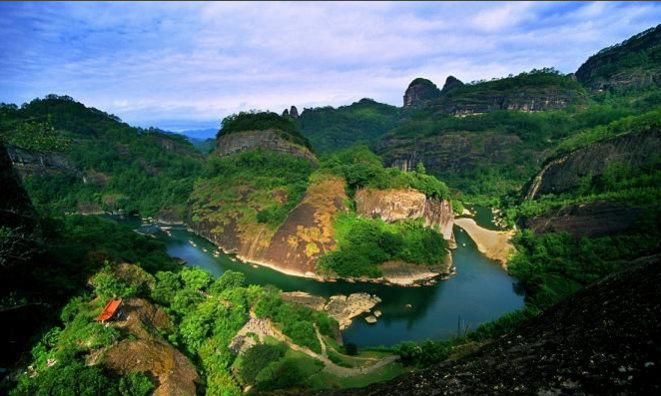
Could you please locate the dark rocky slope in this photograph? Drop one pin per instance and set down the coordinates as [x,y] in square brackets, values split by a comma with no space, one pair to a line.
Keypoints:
[605,340]
[589,219]
[632,64]
[565,173]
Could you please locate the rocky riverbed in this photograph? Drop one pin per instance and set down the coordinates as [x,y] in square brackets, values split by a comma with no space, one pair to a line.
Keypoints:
[340,307]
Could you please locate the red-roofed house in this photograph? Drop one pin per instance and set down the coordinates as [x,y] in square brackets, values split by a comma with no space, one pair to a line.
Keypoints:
[109,310]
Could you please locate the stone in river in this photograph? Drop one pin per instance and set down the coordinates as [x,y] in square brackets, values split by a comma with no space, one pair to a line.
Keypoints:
[370,319]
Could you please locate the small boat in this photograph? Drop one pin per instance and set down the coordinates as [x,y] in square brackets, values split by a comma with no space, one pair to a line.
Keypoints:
[204,250]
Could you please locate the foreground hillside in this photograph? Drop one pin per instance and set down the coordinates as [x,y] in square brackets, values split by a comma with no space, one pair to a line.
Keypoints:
[603,340]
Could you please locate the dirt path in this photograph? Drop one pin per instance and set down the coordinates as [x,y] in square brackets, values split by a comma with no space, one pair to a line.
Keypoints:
[495,245]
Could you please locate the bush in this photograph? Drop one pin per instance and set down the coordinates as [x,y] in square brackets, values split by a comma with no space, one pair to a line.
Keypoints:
[227,281]
[280,375]
[364,243]
[195,278]
[135,384]
[106,285]
[303,334]
[256,358]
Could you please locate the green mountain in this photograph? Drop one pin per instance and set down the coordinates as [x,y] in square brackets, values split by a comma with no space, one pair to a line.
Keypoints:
[633,64]
[330,129]
[103,164]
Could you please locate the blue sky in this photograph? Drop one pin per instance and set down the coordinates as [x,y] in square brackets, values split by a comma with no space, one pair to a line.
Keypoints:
[186,65]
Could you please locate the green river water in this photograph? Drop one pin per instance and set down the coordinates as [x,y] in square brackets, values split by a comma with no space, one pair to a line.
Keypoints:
[480,291]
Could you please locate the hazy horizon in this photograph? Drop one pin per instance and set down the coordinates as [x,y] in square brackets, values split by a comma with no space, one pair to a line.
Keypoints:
[184,66]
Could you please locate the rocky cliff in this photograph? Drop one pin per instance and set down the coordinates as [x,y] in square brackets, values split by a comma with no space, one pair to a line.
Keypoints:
[603,340]
[590,219]
[527,92]
[463,102]
[37,163]
[397,205]
[455,153]
[420,92]
[270,139]
[297,244]
[632,64]
[566,172]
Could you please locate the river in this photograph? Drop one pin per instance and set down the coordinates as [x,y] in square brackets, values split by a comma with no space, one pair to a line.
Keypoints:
[480,291]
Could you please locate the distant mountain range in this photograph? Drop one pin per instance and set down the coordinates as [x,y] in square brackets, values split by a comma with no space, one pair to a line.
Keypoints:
[201,134]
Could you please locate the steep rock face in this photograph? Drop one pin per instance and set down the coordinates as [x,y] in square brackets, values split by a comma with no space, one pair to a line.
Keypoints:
[396,205]
[634,63]
[307,234]
[293,112]
[420,92]
[16,210]
[522,99]
[453,152]
[603,340]
[269,139]
[29,163]
[297,244]
[592,220]
[565,173]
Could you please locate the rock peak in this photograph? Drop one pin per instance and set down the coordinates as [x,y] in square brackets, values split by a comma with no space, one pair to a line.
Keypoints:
[419,92]
[291,112]
[450,83]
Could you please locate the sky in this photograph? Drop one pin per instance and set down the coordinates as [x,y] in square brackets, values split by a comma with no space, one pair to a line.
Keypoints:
[186,65]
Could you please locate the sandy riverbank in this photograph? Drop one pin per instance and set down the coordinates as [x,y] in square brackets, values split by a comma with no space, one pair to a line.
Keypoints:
[496,245]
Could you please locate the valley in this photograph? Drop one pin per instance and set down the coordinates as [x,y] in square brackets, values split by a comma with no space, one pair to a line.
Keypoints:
[484,237]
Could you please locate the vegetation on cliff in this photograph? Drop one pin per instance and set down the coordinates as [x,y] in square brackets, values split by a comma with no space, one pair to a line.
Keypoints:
[363,244]
[363,169]
[261,121]
[636,61]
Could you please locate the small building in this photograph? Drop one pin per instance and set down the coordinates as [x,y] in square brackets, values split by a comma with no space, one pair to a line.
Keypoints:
[109,311]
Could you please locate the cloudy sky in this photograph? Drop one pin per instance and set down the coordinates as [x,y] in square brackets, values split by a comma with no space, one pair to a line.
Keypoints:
[186,65]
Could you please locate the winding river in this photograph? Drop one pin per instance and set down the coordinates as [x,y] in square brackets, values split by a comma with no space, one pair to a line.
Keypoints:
[480,291]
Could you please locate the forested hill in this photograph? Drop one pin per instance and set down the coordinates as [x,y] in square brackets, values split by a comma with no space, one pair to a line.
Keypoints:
[633,64]
[96,163]
[330,129]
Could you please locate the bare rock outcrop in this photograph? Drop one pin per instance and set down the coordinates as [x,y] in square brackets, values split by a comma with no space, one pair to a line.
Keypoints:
[146,351]
[565,172]
[270,139]
[295,247]
[340,307]
[396,205]
[420,92]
